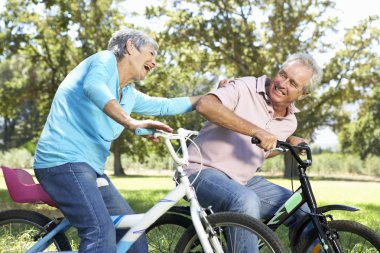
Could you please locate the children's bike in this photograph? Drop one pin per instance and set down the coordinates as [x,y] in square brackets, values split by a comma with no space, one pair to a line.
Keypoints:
[327,235]
[29,231]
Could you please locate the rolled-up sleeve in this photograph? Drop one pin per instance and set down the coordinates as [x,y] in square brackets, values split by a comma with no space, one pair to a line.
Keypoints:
[229,95]
[157,106]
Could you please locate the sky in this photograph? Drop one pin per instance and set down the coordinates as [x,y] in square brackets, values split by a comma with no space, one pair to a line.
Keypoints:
[349,12]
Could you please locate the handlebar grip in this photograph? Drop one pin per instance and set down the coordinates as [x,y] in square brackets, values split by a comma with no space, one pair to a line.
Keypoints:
[255,140]
[144,131]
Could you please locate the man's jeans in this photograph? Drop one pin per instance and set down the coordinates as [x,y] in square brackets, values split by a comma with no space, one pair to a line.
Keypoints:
[258,198]
[88,207]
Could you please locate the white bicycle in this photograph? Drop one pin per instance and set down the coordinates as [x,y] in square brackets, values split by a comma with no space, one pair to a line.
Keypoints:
[210,232]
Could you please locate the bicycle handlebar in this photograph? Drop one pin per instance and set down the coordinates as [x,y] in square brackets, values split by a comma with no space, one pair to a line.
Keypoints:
[181,135]
[283,147]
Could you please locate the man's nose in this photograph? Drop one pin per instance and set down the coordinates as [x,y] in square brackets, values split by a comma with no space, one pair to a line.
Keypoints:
[154,63]
[285,81]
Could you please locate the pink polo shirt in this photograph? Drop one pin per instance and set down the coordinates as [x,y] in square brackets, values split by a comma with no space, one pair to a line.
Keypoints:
[231,152]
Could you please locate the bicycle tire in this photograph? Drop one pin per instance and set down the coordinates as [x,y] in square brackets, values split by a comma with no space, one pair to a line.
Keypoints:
[163,235]
[18,229]
[189,242]
[352,236]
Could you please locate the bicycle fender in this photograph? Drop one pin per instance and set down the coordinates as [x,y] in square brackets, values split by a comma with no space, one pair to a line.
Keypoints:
[323,209]
[184,210]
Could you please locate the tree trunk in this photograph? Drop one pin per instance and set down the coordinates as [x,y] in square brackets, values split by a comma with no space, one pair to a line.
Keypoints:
[290,166]
[117,166]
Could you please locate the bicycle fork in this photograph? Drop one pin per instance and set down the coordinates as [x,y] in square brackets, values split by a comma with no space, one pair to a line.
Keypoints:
[215,243]
[326,239]
[206,233]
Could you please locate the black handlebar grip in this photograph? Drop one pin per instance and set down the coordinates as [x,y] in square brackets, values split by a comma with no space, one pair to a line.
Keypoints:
[255,140]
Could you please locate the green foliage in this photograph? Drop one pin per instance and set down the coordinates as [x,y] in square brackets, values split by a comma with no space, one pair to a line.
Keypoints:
[41,41]
[363,135]
[331,164]
[17,158]
[143,192]
[238,38]
[241,37]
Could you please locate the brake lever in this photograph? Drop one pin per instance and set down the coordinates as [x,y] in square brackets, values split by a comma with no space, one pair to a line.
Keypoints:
[280,149]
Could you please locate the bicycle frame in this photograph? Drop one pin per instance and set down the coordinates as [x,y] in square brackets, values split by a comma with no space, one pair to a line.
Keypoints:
[298,198]
[304,194]
[138,223]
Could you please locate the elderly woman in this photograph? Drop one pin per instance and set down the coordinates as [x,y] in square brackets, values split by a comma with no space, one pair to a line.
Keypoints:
[91,108]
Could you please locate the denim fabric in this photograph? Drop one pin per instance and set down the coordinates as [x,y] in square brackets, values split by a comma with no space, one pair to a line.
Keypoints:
[258,198]
[88,208]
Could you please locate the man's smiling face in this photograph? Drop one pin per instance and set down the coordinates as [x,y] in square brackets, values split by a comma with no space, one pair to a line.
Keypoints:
[288,85]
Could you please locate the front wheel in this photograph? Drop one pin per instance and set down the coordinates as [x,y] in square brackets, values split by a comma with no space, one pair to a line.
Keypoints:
[164,234]
[236,233]
[350,236]
[20,229]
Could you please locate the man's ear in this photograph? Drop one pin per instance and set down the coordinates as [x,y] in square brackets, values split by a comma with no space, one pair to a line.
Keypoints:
[303,96]
[129,47]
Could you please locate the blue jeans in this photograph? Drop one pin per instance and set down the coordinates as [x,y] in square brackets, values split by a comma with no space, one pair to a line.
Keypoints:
[88,207]
[258,198]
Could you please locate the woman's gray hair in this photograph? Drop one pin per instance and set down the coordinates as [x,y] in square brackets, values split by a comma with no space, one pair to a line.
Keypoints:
[308,61]
[117,43]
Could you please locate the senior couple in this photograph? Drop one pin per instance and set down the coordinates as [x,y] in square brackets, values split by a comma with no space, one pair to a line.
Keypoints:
[92,106]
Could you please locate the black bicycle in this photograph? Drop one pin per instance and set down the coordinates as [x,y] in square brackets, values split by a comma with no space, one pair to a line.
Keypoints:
[327,235]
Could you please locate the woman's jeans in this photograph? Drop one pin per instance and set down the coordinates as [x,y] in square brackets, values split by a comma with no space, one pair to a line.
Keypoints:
[88,207]
[258,198]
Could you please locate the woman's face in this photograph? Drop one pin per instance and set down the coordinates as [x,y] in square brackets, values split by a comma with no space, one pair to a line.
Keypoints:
[142,61]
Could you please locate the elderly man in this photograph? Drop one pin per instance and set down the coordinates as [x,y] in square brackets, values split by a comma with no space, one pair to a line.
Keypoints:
[244,108]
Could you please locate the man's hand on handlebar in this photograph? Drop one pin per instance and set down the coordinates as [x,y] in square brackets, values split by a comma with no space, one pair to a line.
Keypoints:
[268,141]
[295,141]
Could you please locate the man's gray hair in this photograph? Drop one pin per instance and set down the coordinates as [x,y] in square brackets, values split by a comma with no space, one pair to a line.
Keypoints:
[308,61]
[117,43]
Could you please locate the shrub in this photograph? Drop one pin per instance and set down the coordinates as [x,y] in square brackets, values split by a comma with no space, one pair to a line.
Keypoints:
[17,158]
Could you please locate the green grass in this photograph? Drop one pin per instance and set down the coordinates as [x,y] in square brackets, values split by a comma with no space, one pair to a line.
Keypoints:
[143,192]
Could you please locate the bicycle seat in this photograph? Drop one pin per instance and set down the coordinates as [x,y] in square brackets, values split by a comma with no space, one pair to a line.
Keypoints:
[23,189]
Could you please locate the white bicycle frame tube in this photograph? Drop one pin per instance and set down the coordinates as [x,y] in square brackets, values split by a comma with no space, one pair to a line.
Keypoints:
[138,223]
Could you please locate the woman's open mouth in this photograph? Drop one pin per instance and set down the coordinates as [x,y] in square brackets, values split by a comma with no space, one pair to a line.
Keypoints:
[147,68]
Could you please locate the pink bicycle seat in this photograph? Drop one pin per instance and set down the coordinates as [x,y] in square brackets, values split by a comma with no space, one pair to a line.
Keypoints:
[23,189]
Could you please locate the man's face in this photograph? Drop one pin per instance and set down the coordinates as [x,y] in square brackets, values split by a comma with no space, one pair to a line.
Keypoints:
[288,85]
[143,61]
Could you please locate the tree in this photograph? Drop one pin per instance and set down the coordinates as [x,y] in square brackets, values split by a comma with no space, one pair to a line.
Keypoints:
[354,78]
[41,41]
[239,38]
[45,40]
[363,135]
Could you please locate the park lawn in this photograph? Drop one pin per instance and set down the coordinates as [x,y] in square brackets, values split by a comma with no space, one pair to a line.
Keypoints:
[144,191]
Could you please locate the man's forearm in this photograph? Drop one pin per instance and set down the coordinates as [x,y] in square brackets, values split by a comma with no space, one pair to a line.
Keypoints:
[214,111]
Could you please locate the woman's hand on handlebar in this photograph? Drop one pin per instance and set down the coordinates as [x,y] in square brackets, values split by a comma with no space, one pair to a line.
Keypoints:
[150,124]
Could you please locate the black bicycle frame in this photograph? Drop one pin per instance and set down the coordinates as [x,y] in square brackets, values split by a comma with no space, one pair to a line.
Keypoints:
[304,194]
